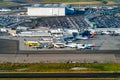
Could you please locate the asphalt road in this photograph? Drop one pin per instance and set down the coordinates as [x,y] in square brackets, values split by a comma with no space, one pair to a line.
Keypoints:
[59,75]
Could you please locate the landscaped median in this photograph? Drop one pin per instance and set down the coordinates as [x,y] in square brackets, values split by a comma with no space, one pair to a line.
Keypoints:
[60,67]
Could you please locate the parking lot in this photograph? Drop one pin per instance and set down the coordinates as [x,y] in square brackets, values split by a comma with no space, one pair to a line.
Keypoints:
[106,21]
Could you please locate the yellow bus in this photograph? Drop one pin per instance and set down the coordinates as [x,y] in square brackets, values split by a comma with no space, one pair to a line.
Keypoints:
[32,43]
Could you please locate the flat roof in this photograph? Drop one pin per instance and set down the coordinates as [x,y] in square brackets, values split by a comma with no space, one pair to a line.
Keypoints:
[50,5]
[46,7]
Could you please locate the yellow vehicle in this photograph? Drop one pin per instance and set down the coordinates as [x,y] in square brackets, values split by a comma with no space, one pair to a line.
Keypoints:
[32,43]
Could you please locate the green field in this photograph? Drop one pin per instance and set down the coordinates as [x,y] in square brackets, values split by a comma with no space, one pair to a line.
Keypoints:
[59,67]
[3,3]
[8,3]
[62,0]
[68,0]
[75,1]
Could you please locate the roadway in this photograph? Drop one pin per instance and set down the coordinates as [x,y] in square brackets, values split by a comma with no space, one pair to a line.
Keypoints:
[12,12]
[59,75]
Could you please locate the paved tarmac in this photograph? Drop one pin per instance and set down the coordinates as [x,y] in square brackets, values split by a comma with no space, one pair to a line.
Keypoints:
[10,52]
[102,42]
[117,56]
[57,58]
[9,46]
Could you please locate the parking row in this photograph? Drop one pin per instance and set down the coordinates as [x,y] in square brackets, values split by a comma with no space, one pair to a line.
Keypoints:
[106,21]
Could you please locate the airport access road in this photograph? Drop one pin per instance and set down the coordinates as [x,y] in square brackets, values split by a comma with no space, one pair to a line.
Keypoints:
[59,75]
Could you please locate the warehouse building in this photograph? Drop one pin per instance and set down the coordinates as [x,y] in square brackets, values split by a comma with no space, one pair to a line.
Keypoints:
[48,10]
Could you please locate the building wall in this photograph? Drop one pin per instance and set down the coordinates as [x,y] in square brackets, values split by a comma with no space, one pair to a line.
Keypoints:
[43,11]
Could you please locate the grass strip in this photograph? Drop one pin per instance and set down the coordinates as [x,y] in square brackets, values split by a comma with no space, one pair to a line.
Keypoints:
[60,67]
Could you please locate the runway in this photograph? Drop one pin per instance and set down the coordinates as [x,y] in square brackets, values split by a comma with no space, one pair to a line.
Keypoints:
[58,58]
[59,75]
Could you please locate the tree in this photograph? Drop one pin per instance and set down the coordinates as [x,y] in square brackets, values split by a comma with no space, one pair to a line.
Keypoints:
[98,0]
[104,2]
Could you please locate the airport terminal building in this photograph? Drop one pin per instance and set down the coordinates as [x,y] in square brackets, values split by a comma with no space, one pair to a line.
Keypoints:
[48,10]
